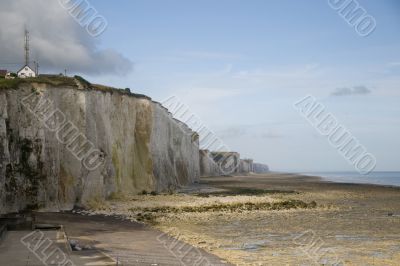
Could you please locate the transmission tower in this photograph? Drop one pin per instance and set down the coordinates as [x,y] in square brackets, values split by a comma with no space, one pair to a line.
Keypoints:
[26,47]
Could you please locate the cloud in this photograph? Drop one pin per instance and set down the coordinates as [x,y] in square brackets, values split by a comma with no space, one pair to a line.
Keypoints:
[357,90]
[210,55]
[232,132]
[271,135]
[57,41]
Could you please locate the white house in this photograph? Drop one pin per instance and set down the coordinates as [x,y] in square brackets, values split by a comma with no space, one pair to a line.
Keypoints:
[9,76]
[26,72]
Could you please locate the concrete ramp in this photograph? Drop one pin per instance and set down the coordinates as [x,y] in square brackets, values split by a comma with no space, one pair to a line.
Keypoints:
[97,241]
[130,243]
[46,248]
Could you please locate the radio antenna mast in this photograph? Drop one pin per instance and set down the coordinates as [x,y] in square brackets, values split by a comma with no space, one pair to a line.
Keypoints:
[26,47]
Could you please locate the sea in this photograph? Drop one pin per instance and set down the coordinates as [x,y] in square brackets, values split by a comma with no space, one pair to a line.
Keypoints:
[375,177]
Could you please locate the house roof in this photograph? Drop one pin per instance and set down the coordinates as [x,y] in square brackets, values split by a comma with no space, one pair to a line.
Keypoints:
[3,72]
[24,67]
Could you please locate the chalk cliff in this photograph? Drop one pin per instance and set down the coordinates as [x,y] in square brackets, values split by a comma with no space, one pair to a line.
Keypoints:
[223,163]
[246,166]
[260,168]
[136,145]
[208,167]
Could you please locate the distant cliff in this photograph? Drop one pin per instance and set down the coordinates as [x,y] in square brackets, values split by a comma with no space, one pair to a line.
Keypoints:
[246,166]
[227,163]
[260,168]
[110,142]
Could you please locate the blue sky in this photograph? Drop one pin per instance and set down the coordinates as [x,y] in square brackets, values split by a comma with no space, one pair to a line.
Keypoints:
[240,65]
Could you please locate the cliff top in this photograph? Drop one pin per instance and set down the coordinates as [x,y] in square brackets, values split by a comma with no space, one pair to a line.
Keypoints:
[61,81]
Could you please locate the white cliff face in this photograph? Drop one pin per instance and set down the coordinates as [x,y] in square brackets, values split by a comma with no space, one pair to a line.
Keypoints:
[174,149]
[246,166]
[141,146]
[208,167]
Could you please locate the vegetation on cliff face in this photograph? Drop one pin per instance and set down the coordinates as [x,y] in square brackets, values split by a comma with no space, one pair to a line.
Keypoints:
[83,82]
[24,177]
[66,185]
[142,176]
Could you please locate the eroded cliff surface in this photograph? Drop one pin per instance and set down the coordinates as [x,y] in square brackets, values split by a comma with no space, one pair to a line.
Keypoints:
[140,145]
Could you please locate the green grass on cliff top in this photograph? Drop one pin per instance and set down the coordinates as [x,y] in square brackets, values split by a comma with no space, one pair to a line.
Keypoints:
[61,81]
[50,80]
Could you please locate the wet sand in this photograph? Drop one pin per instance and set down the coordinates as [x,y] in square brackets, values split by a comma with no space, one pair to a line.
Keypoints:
[351,224]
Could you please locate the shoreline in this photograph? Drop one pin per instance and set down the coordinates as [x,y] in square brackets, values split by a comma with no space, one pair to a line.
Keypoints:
[338,174]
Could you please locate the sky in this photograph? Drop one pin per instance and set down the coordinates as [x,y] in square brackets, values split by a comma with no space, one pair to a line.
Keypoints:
[238,65]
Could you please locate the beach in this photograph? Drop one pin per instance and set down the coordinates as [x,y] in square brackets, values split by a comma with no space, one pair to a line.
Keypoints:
[276,219]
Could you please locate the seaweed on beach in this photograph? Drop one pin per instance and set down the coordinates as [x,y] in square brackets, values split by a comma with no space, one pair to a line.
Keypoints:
[232,207]
[242,191]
